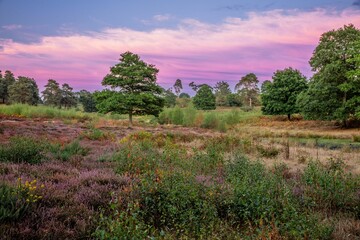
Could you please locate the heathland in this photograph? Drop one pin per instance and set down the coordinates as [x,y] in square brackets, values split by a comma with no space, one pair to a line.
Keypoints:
[189,174]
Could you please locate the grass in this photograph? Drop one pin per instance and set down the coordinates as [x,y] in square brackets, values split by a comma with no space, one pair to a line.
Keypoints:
[169,183]
[220,119]
[182,194]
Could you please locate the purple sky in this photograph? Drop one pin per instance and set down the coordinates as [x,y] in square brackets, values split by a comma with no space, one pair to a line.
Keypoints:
[204,43]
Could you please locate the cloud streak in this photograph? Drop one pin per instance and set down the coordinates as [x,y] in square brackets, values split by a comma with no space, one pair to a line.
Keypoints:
[193,51]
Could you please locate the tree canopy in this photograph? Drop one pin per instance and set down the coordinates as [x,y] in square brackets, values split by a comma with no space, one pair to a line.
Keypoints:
[178,87]
[24,90]
[222,91]
[248,90]
[334,91]
[204,98]
[279,97]
[133,88]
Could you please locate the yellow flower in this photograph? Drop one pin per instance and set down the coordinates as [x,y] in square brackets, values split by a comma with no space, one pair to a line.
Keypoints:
[42,186]
[27,200]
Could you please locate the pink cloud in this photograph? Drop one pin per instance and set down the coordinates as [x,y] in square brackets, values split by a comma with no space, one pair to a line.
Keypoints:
[193,51]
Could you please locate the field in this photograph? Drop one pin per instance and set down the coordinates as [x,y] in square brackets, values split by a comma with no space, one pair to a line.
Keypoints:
[227,174]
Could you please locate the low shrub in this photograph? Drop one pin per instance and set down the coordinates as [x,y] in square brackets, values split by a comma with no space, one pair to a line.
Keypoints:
[23,149]
[65,152]
[268,152]
[96,134]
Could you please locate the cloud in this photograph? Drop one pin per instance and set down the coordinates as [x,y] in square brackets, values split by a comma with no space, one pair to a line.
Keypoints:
[161,18]
[235,7]
[193,51]
[12,27]
[158,19]
[356,3]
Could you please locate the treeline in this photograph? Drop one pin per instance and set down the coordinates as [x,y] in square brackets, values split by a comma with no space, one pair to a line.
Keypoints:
[25,90]
[247,94]
[332,93]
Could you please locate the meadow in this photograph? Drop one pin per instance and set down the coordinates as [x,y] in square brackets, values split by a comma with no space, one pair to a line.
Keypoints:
[224,174]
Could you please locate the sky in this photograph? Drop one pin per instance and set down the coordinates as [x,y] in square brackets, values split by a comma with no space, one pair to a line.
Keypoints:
[205,41]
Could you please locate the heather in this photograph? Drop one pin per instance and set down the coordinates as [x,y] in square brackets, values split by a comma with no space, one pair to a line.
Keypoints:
[100,179]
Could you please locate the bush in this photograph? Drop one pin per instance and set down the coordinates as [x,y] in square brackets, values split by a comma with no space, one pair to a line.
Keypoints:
[329,187]
[22,149]
[64,153]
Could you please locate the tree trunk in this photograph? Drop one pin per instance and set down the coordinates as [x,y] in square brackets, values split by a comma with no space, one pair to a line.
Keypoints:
[250,102]
[289,116]
[130,119]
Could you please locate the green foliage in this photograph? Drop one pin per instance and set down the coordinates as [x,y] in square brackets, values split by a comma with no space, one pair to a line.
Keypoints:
[178,86]
[24,90]
[134,89]
[22,149]
[5,82]
[279,97]
[96,134]
[268,152]
[234,100]
[170,98]
[222,92]
[65,152]
[248,90]
[204,98]
[329,187]
[87,100]
[68,98]
[335,89]
[11,207]
[184,95]
[52,93]
[25,110]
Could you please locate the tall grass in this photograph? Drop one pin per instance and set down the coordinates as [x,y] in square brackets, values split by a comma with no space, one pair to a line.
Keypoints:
[23,110]
[220,119]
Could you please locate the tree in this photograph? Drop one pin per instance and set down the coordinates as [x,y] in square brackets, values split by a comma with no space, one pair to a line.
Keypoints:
[170,98]
[5,81]
[279,97]
[233,100]
[52,94]
[133,88]
[178,87]
[335,82]
[222,91]
[204,98]
[24,90]
[87,100]
[248,90]
[184,95]
[68,98]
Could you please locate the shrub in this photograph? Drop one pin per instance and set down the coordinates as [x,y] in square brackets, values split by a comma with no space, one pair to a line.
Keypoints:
[65,152]
[356,138]
[15,201]
[268,152]
[329,187]
[22,149]
[95,134]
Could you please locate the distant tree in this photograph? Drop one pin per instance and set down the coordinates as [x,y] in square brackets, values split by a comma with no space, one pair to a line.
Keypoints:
[178,87]
[279,97]
[222,91]
[336,80]
[52,94]
[68,98]
[184,95]
[87,100]
[170,98]
[248,90]
[5,81]
[233,100]
[24,90]
[133,88]
[264,85]
[204,98]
